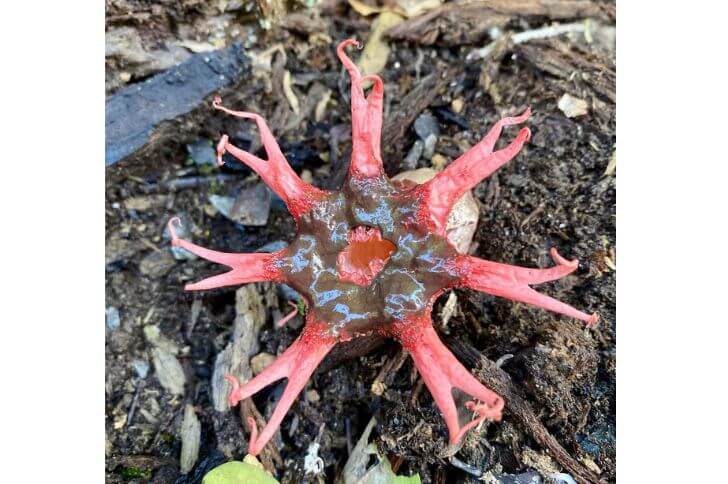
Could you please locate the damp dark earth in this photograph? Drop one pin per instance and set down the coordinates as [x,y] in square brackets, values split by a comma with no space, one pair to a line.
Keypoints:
[450,71]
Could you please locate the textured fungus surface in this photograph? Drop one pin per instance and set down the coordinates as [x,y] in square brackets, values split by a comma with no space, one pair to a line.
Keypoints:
[374,257]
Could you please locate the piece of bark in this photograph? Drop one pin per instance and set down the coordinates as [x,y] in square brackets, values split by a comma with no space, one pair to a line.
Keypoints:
[269,456]
[405,113]
[305,23]
[558,59]
[234,359]
[136,114]
[451,24]
[553,9]
[468,21]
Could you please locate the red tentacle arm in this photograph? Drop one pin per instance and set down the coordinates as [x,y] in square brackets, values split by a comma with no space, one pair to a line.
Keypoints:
[440,194]
[366,118]
[297,364]
[284,320]
[513,282]
[275,172]
[442,372]
[246,268]
[375,108]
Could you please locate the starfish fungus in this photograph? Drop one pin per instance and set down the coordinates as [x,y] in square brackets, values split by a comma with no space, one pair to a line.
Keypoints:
[373,258]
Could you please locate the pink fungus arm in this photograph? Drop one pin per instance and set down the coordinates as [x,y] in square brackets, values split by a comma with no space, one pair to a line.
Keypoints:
[440,194]
[366,119]
[442,373]
[275,172]
[375,108]
[284,320]
[513,282]
[297,364]
[245,267]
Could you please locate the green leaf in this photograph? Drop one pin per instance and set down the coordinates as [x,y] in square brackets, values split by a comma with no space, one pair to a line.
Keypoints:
[357,469]
[236,472]
[301,306]
[394,479]
[407,480]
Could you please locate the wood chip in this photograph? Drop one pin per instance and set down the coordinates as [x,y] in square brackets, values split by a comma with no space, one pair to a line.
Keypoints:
[288,91]
[169,371]
[320,110]
[612,166]
[251,316]
[376,50]
[572,106]
[190,436]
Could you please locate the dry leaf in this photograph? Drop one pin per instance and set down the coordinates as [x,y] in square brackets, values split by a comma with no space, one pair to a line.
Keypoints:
[288,91]
[262,61]
[376,50]
[320,110]
[413,8]
[406,8]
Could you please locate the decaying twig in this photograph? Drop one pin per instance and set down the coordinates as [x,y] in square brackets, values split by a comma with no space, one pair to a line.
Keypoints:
[521,37]
[489,373]
[186,182]
[269,457]
[468,21]
[392,364]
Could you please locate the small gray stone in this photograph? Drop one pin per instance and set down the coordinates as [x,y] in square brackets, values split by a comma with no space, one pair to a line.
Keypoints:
[157,264]
[572,106]
[274,246]
[429,150]
[202,152]
[251,207]
[223,204]
[426,125]
[180,253]
[141,368]
[113,320]
[410,161]
[517,180]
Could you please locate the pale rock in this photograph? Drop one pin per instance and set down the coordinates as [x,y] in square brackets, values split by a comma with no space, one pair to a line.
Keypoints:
[463,219]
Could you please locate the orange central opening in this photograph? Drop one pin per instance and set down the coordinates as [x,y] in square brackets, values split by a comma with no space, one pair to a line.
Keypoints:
[365,256]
